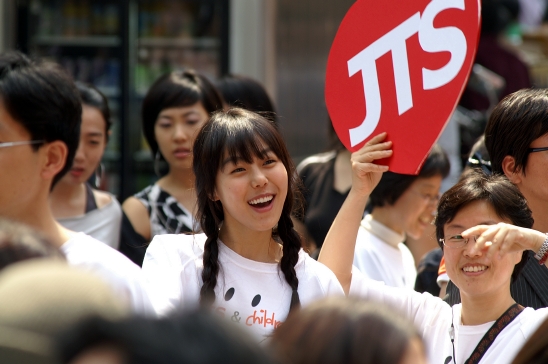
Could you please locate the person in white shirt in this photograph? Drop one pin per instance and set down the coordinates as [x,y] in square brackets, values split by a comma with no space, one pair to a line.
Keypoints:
[40,116]
[483,224]
[248,266]
[401,205]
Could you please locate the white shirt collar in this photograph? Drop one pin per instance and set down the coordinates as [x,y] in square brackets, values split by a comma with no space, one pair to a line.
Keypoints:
[382,231]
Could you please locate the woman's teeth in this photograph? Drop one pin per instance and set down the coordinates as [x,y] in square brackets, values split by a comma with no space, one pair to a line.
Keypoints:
[474,269]
[261,200]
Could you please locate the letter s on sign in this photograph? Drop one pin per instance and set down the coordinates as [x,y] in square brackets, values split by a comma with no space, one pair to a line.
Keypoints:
[454,41]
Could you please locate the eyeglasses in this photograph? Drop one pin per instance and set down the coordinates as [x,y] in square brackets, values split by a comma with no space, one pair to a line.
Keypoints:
[24,142]
[432,199]
[533,150]
[456,241]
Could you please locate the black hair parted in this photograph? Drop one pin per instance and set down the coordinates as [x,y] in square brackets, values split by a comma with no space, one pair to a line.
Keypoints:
[44,100]
[91,96]
[238,133]
[177,89]
[393,185]
[497,190]
[514,124]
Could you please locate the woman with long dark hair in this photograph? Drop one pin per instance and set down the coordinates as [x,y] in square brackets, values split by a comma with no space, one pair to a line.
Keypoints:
[248,266]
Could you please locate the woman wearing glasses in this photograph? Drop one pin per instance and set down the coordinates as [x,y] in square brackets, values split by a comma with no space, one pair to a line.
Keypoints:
[401,206]
[483,225]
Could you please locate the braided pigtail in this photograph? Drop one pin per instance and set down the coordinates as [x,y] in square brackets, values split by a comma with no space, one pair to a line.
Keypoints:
[291,246]
[210,262]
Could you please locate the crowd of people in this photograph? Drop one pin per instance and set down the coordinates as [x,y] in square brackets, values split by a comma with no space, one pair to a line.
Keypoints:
[237,255]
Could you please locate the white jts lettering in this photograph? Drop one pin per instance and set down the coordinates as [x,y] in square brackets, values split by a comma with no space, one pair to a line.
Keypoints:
[432,40]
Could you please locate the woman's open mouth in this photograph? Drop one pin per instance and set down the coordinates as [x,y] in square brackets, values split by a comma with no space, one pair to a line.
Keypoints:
[261,202]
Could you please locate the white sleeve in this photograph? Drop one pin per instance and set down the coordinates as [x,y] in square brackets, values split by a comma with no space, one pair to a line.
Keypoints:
[423,309]
[162,270]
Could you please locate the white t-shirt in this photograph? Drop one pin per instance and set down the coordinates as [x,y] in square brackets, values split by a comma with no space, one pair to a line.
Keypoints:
[433,317]
[252,294]
[122,274]
[381,255]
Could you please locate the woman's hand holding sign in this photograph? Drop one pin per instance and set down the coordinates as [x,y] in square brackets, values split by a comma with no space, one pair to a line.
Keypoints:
[338,248]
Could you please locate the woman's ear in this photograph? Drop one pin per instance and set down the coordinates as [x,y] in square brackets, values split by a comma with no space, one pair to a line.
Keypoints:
[55,158]
[509,169]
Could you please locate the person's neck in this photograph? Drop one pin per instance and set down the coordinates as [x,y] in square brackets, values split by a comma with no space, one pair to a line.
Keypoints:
[67,197]
[40,218]
[540,214]
[253,245]
[179,178]
[484,309]
[385,215]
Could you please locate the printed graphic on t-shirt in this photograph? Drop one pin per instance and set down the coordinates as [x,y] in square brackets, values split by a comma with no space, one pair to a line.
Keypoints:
[261,309]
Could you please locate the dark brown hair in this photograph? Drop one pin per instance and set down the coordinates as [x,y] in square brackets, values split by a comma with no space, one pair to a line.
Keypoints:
[497,190]
[176,89]
[393,185]
[240,134]
[343,330]
[515,122]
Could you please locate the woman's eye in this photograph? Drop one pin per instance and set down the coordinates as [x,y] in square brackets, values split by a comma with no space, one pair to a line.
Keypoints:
[270,161]
[192,122]
[239,169]
[94,142]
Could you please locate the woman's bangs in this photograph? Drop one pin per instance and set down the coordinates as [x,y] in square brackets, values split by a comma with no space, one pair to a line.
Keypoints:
[249,142]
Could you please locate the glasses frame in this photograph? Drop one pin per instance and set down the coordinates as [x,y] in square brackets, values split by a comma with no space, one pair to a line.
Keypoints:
[534,150]
[23,142]
[442,240]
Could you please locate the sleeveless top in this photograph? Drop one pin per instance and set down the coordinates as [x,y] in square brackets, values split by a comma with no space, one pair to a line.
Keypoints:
[167,215]
[103,223]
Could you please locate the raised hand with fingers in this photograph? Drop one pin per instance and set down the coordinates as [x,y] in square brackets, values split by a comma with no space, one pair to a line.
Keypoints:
[504,238]
[338,248]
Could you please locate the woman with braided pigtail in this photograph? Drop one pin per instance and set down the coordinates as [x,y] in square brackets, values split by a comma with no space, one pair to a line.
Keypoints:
[248,265]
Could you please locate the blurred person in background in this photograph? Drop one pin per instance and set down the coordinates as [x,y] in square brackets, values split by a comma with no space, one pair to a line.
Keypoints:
[340,330]
[42,298]
[245,92]
[401,206]
[74,202]
[176,106]
[190,338]
[326,178]
[40,116]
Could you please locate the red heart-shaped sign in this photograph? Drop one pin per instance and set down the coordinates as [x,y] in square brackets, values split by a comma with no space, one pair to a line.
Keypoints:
[400,67]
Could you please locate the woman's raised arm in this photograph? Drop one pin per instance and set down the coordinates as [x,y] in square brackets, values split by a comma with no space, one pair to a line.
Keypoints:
[337,252]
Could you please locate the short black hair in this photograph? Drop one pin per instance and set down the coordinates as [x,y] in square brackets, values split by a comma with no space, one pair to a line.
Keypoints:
[176,89]
[44,100]
[393,185]
[190,337]
[497,190]
[514,124]
[245,92]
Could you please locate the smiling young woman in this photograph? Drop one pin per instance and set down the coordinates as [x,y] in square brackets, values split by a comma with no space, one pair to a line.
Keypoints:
[248,265]
[483,253]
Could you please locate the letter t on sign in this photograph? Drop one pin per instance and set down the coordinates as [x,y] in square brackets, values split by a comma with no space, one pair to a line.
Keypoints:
[365,61]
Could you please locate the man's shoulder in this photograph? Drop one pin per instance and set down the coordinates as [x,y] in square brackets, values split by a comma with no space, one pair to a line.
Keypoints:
[84,249]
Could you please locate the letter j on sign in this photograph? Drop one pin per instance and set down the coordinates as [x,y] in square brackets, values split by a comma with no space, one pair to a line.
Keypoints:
[400,67]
